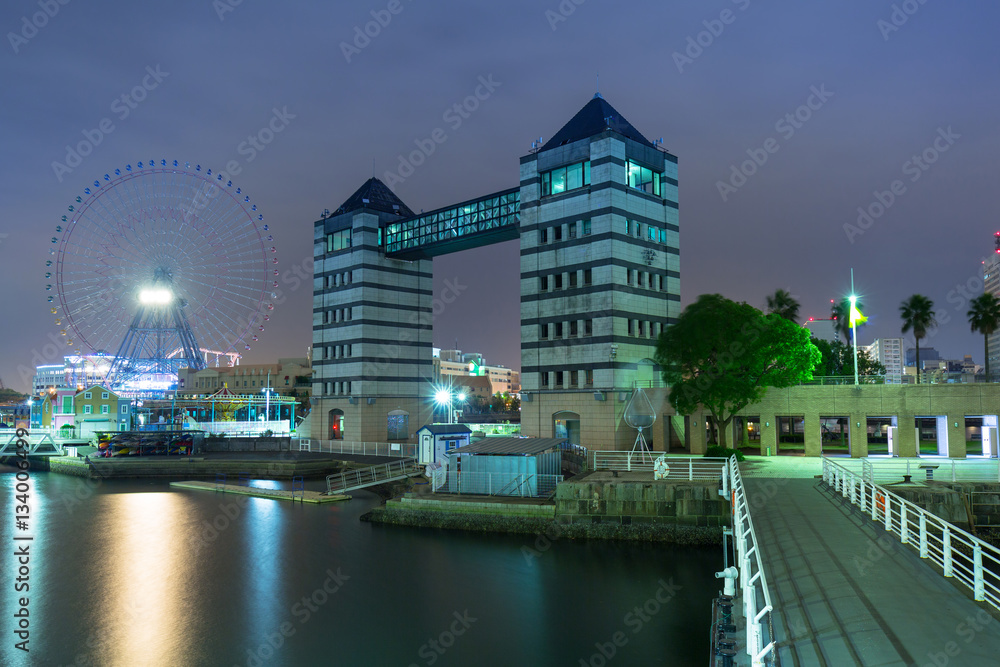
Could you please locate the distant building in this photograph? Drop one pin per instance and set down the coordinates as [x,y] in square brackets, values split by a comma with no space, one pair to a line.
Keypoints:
[284,377]
[99,409]
[449,365]
[926,354]
[991,285]
[889,353]
[822,329]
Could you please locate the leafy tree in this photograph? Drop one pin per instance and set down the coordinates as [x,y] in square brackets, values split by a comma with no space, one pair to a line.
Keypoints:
[723,355]
[841,313]
[784,305]
[837,359]
[918,315]
[984,317]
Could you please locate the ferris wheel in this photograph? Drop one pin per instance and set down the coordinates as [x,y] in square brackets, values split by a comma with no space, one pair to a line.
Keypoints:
[159,257]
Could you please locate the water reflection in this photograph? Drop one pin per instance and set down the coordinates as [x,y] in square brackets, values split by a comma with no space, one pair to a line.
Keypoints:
[142,568]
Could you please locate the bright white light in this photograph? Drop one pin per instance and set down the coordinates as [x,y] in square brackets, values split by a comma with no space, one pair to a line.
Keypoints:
[155,297]
[461,397]
[442,397]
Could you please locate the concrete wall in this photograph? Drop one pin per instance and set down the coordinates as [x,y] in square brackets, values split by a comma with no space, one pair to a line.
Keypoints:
[602,425]
[683,503]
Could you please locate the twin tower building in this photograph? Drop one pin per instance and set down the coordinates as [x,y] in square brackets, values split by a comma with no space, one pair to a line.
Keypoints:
[596,212]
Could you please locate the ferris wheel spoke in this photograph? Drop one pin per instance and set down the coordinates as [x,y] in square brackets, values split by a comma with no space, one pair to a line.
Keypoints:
[157,217]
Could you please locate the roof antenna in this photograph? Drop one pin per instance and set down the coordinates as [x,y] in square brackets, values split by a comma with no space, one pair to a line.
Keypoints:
[373,167]
[597,95]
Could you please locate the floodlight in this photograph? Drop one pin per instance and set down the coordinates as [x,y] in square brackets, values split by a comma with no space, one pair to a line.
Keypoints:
[442,397]
[155,296]
[461,397]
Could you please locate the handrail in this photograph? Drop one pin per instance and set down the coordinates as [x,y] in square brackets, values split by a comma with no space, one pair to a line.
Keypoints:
[751,573]
[693,467]
[370,475]
[931,467]
[957,553]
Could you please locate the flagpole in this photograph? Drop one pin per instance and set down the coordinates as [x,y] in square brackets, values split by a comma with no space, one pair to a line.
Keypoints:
[854,327]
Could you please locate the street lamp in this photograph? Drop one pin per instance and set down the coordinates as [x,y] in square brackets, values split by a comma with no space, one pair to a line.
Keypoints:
[444,397]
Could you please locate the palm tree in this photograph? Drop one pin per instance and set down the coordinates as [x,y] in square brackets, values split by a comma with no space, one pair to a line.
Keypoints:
[918,314]
[984,317]
[841,314]
[784,304]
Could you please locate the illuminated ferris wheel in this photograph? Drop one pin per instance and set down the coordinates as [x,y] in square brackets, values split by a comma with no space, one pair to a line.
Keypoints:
[156,263]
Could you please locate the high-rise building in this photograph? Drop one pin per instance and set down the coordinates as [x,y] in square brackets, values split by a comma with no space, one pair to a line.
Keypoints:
[596,212]
[889,353]
[991,285]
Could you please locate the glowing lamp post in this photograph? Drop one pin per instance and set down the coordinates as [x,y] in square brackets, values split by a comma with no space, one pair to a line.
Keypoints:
[446,398]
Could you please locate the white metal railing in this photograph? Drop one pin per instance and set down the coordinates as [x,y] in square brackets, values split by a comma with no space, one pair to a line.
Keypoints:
[690,467]
[377,474]
[757,607]
[234,428]
[402,450]
[884,471]
[956,552]
[524,485]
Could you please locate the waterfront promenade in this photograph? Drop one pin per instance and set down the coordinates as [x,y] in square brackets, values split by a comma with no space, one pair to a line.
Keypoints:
[847,592]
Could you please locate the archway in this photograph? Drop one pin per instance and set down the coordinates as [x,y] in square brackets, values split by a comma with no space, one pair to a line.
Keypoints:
[566,425]
[398,426]
[336,424]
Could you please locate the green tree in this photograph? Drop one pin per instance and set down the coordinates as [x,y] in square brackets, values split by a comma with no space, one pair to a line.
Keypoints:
[723,355]
[784,305]
[918,316]
[984,317]
[837,359]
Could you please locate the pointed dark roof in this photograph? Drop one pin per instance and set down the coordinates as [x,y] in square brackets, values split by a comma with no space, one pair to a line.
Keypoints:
[377,196]
[591,120]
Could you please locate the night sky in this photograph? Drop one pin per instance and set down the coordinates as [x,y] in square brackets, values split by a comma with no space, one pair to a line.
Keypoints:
[886,82]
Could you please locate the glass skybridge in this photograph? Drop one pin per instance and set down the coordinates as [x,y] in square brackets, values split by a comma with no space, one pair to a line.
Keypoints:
[471,224]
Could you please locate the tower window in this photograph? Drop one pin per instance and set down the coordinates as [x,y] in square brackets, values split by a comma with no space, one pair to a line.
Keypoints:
[586,227]
[588,275]
[340,240]
[642,178]
[557,233]
[543,235]
[567,178]
[543,283]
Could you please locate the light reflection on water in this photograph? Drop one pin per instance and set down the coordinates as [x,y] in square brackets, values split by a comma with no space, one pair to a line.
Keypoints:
[137,574]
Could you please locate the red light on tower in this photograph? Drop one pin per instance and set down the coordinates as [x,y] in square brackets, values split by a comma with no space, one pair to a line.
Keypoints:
[996,241]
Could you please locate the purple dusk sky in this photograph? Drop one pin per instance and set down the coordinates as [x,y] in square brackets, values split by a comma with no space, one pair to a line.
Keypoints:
[836,101]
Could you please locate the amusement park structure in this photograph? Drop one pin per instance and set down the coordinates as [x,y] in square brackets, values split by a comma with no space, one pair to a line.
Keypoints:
[167,264]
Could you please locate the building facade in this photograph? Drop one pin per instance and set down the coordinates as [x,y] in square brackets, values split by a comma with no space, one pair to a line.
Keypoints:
[596,212]
[889,353]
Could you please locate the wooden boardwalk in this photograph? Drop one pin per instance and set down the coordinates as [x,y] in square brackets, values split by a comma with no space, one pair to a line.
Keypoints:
[256,492]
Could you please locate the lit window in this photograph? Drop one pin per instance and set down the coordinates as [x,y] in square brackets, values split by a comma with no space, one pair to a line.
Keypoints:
[567,178]
[642,178]
[340,240]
